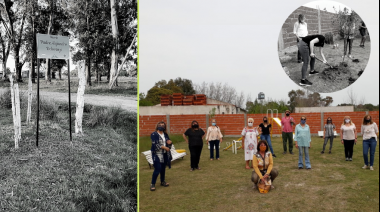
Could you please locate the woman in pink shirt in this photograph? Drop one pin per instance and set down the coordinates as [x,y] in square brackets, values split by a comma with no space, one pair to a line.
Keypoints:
[287,131]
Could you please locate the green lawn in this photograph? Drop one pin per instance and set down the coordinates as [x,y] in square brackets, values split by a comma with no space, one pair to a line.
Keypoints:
[96,172]
[332,185]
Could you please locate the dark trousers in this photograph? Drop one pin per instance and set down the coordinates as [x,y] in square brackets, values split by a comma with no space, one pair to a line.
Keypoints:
[255,177]
[287,137]
[216,144]
[304,49]
[326,140]
[159,169]
[349,148]
[299,56]
[195,155]
[348,42]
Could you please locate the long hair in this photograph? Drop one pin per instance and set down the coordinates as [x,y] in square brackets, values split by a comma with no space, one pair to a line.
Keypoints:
[191,126]
[365,117]
[300,17]
[327,120]
[161,122]
[344,120]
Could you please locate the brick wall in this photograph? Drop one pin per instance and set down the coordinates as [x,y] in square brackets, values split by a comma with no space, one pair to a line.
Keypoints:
[311,15]
[233,124]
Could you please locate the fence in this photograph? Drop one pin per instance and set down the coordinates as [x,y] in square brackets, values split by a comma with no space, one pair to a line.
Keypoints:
[318,22]
[233,124]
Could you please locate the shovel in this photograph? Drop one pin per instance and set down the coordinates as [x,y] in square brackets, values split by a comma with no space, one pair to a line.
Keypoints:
[331,67]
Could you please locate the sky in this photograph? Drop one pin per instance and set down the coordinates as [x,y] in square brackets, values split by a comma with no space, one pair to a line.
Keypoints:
[235,42]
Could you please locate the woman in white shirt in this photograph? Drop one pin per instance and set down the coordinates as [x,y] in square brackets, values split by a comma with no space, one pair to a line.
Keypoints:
[214,138]
[369,132]
[349,136]
[300,30]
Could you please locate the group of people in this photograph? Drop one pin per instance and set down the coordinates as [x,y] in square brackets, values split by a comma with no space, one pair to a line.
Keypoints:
[259,154]
[306,44]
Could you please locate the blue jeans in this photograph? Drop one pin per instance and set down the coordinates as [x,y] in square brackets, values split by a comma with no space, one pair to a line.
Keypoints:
[216,144]
[159,169]
[303,150]
[369,144]
[267,138]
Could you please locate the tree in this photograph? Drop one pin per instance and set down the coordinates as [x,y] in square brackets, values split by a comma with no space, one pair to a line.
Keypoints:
[154,94]
[186,85]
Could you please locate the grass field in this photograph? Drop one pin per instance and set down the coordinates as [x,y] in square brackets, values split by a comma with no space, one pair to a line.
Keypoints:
[332,80]
[332,185]
[127,86]
[96,172]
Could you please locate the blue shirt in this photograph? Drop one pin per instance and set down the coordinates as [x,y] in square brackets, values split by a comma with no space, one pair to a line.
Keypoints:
[302,135]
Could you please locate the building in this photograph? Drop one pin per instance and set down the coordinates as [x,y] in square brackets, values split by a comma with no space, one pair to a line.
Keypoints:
[211,107]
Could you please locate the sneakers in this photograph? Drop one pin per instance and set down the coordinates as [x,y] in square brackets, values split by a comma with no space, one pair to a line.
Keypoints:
[371,168]
[274,156]
[329,152]
[350,56]
[350,159]
[300,167]
[313,72]
[365,167]
[284,153]
[291,153]
[305,82]
[346,159]
[322,152]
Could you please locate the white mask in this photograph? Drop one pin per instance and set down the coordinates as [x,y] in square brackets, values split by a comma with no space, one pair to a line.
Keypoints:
[250,124]
[348,120]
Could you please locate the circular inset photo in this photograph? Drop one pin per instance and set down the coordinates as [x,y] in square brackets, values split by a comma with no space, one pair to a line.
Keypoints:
[324,46]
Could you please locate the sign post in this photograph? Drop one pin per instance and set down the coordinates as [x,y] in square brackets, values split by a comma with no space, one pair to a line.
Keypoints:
[52,47]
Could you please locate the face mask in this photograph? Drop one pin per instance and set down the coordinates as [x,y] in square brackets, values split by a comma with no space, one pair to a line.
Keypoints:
[161,128]
[265,121]
[213,124]
[368,121]
[263,148]
[303,121]
[329,121]
[195,126]
[250,124]
[288,114]
[348,120]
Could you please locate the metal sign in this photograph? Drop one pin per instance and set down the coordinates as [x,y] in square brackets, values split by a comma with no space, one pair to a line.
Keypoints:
[53,46]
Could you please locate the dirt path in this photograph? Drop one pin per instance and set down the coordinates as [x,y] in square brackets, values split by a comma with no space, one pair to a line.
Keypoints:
[126,103]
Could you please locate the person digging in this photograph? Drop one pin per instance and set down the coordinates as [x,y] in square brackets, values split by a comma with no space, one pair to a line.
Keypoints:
[306,48]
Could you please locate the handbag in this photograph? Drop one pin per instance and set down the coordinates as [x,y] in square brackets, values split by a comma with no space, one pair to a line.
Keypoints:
[264,188]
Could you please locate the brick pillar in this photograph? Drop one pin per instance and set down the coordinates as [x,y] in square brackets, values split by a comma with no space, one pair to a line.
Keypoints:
[168,124]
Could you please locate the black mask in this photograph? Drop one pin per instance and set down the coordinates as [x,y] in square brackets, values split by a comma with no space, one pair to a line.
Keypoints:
[368,121]
[265,121]
[195,126]
[329,121]
[288,114]
[161,128]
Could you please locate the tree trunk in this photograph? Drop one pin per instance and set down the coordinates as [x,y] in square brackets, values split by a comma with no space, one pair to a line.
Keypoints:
[80,97]
[50,27]
[17,47]
[88,73]
[60,73]
[115,33]
[30,97]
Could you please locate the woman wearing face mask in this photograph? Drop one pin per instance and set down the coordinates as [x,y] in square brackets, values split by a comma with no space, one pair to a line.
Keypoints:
[369,131]
[194,137]
[214,138]
[348,30]
[287,131]
[249,142]
[328,134]
[349,137]
[263,165]
[161,155]
[265,129]
[303,143]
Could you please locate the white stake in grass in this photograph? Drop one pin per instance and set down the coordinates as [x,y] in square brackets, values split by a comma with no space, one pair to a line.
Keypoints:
[80,97]
[15,96]
[30,97]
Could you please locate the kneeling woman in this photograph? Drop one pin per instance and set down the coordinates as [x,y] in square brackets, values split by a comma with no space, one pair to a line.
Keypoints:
[263,165]
[161,155]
